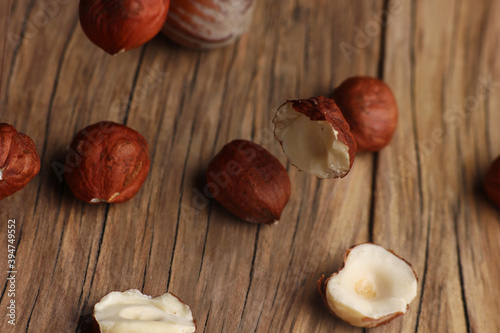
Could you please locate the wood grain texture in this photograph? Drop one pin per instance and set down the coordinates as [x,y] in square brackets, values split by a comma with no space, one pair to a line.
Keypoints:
[421,196]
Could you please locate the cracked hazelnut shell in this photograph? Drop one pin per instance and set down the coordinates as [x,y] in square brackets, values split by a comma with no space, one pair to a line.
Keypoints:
[208,24]
[249,182]
[107,162]
[121,25]
[370,109]
[19,160]
[315,137]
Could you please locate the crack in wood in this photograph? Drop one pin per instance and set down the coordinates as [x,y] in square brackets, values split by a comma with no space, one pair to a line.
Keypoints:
[15,53]
[252,266]
[32,310]
[375,161]
[205,241]
[4,50]
[184,168]
[151,242]
[98,254]
[413,30]
[134,84]
[183,101]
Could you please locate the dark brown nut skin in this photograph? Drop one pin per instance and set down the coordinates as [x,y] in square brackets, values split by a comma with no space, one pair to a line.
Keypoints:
[491,182]
[121,25]
[107,162]
[370,109]
[249,182]
[208,24]
[19,160]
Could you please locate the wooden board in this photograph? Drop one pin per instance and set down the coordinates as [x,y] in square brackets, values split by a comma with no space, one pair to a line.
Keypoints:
[421,196]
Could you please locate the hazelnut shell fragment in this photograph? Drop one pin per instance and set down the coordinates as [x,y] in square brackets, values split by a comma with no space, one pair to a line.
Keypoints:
[19,160]
[249,182]
[370,109]
[107,162]
[315,136]
[121,25]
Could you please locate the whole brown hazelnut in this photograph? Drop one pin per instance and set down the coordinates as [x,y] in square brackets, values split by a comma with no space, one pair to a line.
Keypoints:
[492,181]
[370,109]
[121,25]
[107,162]
[19,160]
[249,182]
[208,24]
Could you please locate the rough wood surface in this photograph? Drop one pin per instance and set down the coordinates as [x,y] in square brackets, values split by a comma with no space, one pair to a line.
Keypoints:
[421,196]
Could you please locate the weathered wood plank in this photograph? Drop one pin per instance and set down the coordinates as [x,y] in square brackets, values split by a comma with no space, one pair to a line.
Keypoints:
[420,196]
[409,215]
[475,87]
[442,66]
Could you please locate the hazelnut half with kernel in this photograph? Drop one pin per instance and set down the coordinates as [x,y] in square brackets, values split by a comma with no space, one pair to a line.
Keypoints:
[131,312]
[107,162]
[249,182]
[315,137]
[19,160]
[121,25]
[370,109]
[373,287]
